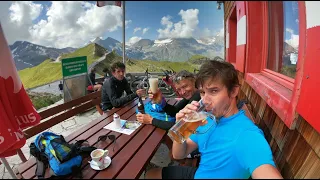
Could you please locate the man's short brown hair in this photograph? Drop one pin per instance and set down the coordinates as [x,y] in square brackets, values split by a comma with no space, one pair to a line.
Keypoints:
[117,65]
[220,71]
[184,74]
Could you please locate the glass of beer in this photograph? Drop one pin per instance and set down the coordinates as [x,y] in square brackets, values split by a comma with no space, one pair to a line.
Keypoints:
[153,82]
[198,122]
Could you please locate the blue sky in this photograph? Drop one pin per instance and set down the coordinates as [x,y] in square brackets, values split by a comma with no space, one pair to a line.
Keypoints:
[291,15]
[148,14]
[291,22]
[74,23]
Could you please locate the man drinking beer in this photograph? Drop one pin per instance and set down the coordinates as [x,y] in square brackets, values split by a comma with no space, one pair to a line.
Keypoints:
[235,148]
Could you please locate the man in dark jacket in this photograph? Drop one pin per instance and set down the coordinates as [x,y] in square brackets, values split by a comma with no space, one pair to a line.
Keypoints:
[114,87]
[93,86]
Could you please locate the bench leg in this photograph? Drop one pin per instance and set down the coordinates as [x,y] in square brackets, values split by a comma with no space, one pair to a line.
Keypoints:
[21,155]
[6,164]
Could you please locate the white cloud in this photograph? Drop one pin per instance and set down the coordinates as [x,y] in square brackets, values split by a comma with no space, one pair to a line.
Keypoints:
[127,22]
[289,30]
[68,24]
[136,29]
[206,33]
[16,19]
[221,32]
[24,12]
[294,39]
[133,40]
[181,29]
[145,30]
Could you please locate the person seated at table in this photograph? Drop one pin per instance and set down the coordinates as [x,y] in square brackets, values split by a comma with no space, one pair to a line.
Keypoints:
[93,86]
[235,148]
[164,114]
[114,87]
[107,73]
[184,82]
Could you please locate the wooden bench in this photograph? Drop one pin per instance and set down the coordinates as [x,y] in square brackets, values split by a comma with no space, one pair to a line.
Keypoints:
[98,103]
[131,153]
[57,114]
[248,112]
[66,111]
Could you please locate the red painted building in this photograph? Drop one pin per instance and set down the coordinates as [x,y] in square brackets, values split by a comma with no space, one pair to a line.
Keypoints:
[275,46]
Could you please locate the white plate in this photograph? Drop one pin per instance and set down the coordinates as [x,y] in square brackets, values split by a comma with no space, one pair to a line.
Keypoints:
[132,124]
[107,162]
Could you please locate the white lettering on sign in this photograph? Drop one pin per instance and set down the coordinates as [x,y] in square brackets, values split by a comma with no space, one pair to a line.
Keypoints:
[1,139]
[17,119]
[32,117]
[73,62]
[18,135]
[26,119]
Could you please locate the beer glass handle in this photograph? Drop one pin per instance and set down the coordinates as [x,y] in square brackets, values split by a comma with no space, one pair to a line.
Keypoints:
[214,123]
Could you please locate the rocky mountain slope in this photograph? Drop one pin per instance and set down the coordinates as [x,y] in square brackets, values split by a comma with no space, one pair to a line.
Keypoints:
[26,54]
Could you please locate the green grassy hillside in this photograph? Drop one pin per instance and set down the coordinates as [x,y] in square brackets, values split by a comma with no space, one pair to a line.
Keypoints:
[156,66]
[85,51]
[49,71]
[196,57]
[135,65]
[45,72]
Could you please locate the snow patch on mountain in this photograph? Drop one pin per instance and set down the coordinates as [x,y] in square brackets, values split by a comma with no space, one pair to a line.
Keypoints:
[160,43]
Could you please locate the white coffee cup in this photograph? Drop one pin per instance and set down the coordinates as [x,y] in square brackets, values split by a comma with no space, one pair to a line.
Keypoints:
[98,156]
[153,81]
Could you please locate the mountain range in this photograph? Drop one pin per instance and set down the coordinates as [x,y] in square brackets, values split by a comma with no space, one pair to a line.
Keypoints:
[171,49]
[27,54]
[97,56]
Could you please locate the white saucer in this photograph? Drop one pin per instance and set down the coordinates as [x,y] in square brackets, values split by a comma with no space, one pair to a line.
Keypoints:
[107,162]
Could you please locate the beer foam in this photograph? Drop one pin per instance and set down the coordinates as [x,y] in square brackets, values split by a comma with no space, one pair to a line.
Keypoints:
[153,84]
[196,117]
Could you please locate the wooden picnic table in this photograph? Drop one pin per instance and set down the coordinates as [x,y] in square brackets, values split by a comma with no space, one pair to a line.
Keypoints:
[131,152]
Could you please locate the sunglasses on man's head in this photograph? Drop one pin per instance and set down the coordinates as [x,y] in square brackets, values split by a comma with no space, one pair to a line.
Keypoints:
[111,137]
[179,78]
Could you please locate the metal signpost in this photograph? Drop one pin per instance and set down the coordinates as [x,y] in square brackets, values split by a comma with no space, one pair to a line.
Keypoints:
[75,69]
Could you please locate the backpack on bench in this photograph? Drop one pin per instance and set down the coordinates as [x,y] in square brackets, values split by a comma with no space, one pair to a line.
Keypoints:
[63,158]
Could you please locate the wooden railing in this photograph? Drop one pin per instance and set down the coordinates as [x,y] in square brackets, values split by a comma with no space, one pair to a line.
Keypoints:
[57,114]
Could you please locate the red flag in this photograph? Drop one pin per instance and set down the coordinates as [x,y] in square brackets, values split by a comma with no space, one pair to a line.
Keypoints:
[105,3]
[16,109]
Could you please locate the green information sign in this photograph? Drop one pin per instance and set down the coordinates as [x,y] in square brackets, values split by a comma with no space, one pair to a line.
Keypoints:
[74,66]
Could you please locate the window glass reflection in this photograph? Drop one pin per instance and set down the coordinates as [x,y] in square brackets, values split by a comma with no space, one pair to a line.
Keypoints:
[283,37]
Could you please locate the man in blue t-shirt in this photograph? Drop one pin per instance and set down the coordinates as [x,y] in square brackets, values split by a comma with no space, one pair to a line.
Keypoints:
[234,147]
